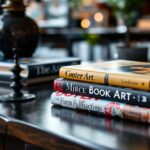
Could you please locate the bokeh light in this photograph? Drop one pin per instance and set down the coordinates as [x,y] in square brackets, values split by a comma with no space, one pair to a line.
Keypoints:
[98,17]
[85,23]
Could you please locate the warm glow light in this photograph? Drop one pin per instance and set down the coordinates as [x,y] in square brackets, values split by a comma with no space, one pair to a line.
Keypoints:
[85,23]
[98,17]
[87,2]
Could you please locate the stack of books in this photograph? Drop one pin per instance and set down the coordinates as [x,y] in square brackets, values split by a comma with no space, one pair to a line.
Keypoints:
[35,70]
[114,88]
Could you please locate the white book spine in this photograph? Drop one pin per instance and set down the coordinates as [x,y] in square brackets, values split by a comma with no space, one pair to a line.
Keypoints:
[108,108]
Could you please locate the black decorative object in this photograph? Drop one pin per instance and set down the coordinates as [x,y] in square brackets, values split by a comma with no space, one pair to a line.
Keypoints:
[17,28]
[17,95]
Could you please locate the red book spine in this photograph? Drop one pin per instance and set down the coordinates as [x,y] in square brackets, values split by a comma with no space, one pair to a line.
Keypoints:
[58,85]
[105,107]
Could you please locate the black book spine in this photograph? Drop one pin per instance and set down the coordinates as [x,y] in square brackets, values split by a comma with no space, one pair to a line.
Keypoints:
[48,69]
[117,94]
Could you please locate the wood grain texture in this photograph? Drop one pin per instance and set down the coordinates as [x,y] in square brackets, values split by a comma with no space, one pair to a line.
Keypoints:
[3,128]
[35,136]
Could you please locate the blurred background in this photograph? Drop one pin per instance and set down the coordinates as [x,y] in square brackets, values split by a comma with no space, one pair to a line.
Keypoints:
[89,29]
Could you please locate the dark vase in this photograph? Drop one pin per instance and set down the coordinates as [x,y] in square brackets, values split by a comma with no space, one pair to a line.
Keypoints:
[17,30]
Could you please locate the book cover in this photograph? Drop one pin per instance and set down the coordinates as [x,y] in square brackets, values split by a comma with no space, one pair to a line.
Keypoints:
[36,67]
[124,73]
[118,94]
[108,108]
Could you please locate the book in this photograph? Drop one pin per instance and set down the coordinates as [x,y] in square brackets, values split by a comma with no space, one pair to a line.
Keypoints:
[118,94]
[5,80]
[100,106]
[123,73]
[37,67]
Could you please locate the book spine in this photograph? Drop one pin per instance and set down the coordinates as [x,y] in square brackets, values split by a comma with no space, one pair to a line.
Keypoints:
[123,95]
[105,78]
[107,108]
[48,69]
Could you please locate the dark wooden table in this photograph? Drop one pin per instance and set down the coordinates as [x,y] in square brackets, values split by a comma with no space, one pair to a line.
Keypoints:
[49,127]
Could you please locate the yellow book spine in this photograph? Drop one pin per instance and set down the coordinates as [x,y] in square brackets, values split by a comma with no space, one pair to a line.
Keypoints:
[129,81]
[82,75]
[121,80]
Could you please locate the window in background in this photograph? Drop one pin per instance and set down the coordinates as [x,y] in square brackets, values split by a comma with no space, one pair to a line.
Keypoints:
[56,13]
[35,9]
[65,13]
[48,13]
[89,13]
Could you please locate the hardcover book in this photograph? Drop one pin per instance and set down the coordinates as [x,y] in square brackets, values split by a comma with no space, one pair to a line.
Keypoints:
[5,80]
[123,73]
[35,67]
[101,106]
[111,93]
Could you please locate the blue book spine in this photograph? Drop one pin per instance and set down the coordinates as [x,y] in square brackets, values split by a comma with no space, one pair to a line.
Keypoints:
[111,93]
[48,69]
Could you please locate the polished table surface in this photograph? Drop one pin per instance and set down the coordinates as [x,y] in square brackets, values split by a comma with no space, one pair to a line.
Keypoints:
[41,124]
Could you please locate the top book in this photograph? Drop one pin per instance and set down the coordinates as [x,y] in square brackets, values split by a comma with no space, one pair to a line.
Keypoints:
[36,67]
[123,73]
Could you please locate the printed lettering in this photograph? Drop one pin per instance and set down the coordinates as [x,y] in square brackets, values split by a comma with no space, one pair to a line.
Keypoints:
[100,92]
[68,73]
[128,96]
[66,103]
[127,82]
[55,68]
[117,94]
[122,95]
[88,77]
[73,88]
[42,70]
[85,98]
